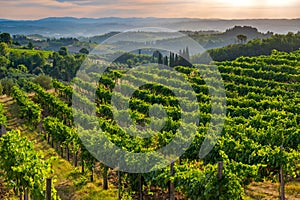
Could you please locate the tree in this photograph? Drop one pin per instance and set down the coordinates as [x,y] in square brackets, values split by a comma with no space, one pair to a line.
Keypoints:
[63,51]
[4,62]
[30,45]
[17,43]
[176,60]
[16,58]
[187,53]
[160,58]
[242,39]
[166,61]
[3,49]
[183,54]
[37,60]
[5,37]
[84,51]
[172,59]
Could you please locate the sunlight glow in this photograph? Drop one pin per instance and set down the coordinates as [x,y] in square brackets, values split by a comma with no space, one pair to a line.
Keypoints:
[278,3]
[256,3]
[228,9]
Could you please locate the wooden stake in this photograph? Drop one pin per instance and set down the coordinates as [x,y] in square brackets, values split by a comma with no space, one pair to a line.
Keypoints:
[220,169]
[25,194]
[172,190]
[3,130]
[282,195]
[105,176]
[141,186]
[220,175]
[48,188]
[119,185]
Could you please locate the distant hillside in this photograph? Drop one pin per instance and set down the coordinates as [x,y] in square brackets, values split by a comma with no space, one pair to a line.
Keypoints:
[285,43]
[74,27]
[207,39]
[211,40]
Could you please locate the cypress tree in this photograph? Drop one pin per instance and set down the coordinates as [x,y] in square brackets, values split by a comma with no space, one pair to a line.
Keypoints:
[160,58]
[166,61]
[172,59]
[183,54]
[176,60]
[187,53]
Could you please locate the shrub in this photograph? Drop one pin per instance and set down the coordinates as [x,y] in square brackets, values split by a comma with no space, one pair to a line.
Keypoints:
[44,81]
[7,84]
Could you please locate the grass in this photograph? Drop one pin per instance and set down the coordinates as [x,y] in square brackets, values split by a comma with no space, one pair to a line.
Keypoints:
[293,188]
[32,52]
[268,190]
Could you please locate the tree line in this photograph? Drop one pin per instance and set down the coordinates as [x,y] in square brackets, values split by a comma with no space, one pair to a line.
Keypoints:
[286,43]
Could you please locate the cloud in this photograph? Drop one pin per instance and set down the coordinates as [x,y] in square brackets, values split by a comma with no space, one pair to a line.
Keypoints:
[32,9]
[81,2]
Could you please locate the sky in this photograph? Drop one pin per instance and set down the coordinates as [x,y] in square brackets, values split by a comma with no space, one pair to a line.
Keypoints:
[225,9]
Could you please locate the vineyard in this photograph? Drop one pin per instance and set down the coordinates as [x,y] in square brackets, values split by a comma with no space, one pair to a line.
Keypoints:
[259,141]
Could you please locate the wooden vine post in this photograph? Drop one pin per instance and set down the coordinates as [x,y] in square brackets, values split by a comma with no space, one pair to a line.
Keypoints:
[140,187]
[220,175]
[282,195]
[48,188]
[119,185]
[172,188]
[220,169]
[3,130]
[105,177]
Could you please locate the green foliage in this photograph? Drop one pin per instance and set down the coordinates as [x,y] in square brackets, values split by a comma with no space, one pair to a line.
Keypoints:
[3,119]
[3,49]
[22,68]
[1,88]
[4,62]
[84,51]
[82,181]
[65,67]
[204,183]
[28,109]
[255,47]
[44,81]
[242,38]
[132,59]
[262,96]
[31,59]
[29,52]
[23,167]
[63,51]
[30,45]
[7,85]
[6,38]
[63,90]
[52,103]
